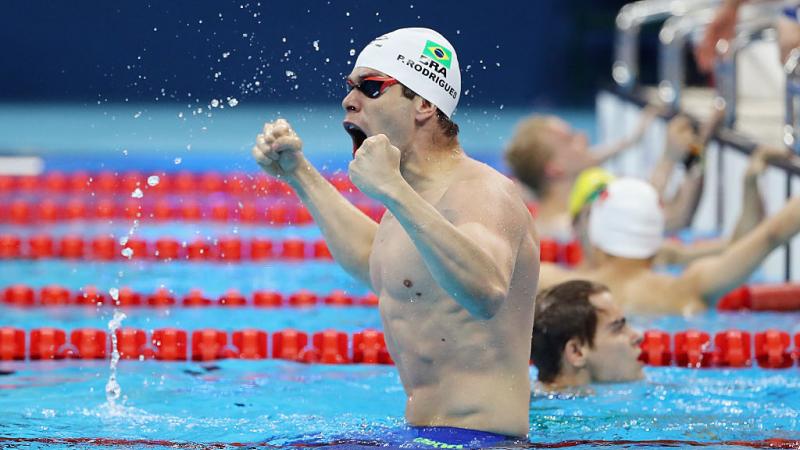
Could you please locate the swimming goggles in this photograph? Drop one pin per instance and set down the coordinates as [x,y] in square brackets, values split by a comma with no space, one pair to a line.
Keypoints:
[372,87]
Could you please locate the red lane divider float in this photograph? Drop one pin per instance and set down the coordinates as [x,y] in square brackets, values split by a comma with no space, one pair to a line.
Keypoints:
[692,348]
[29,212]
[170,344]
[183,183]
[566,253]
[765,297]
[108,248]
[25,296]
[730,348]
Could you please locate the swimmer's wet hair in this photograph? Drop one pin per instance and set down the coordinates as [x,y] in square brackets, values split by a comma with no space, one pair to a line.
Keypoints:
[528,153]
[449,127]
[563,312]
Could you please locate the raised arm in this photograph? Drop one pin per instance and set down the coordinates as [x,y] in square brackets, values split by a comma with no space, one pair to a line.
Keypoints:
[678,143]
[348,232]
[721,27]
[713,275]
[752,203]
[471,246]
[602,153]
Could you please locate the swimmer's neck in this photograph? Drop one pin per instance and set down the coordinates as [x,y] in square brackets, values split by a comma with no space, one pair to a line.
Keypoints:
[423,164]
[617,264]
[568,380]
[553,202]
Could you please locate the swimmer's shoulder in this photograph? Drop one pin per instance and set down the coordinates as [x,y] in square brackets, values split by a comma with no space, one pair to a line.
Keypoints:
[665,294]
[485,181]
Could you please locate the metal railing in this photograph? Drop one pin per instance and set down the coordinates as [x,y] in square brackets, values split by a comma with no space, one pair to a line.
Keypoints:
[629,21]
[791,128]
[674,36]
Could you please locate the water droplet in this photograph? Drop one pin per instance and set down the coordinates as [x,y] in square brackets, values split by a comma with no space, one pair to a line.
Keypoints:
[153,180]
[214,103]
[232,102]
[127,252]
[177,161]
[137,115]
[114,293]
[226,54]
[316,45]
[352,52]
[137,193]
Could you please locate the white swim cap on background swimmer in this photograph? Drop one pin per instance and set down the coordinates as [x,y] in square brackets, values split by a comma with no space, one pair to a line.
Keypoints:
[420,58]
[627,219]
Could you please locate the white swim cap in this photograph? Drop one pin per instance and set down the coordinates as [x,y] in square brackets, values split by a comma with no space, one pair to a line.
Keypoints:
[627,219]
[420,58]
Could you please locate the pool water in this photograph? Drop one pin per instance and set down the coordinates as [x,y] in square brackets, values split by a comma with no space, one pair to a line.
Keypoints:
[278,404]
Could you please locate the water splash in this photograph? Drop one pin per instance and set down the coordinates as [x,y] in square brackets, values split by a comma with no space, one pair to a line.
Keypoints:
[113,389]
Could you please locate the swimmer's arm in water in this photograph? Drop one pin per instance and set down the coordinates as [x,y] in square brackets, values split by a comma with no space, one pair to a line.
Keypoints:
[715,275]
[470,253]
[602,153]
[348,232]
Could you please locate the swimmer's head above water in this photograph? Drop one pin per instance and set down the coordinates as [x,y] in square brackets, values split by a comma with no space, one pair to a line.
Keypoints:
[545,149]
[410,72]
[580,336]
[627,220]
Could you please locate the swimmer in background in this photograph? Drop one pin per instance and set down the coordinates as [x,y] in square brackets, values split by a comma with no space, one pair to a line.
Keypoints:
[592,182]
[546,156]
[581,336]
[626,228]
[454,260]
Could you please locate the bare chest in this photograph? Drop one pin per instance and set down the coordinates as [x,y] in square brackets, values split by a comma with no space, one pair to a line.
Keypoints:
[396,265]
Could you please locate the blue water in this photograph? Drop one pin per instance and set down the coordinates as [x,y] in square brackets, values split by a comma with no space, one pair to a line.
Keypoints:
[269,403]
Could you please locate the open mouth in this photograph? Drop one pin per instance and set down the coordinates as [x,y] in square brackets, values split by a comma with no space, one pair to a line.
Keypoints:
[356,133]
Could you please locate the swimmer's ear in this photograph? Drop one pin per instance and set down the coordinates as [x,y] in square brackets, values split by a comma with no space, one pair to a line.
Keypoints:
[575,353]
[552,170]
[424,109]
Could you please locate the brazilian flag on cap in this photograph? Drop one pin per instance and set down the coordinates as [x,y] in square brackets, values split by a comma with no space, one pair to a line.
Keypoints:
[438,53]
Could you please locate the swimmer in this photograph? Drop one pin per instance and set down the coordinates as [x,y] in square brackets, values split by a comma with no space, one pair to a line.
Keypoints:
[626,228]
[591,182]
[580,336]
[546,156]
[454,260]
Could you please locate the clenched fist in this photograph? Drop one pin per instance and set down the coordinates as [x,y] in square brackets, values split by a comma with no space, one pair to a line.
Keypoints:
[278,150]
[680,137]
[375,170]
